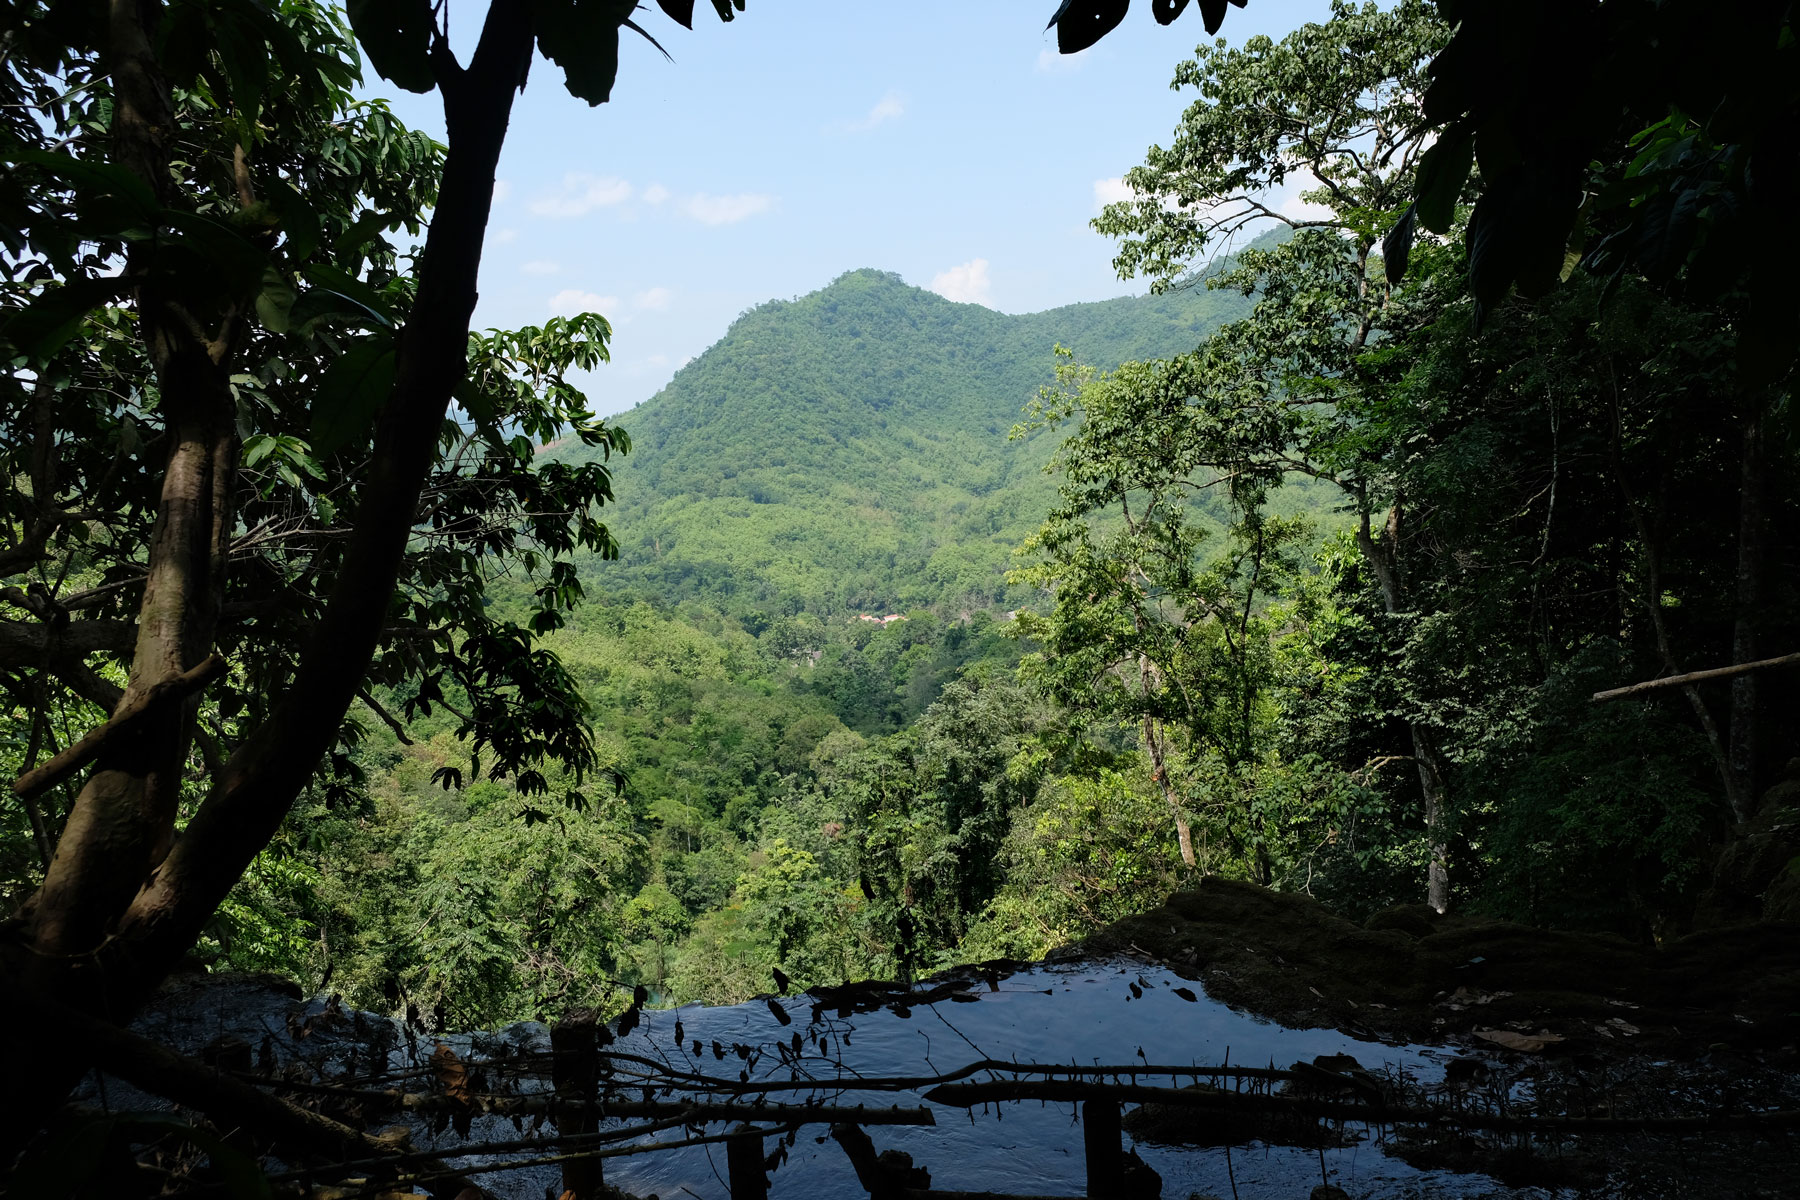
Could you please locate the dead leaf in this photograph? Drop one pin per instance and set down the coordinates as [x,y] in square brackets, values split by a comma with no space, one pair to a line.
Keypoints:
[1524,1043]
[452,1076]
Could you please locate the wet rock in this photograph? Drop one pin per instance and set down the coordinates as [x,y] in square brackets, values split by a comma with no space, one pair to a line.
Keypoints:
[1414,920]
[1286,957]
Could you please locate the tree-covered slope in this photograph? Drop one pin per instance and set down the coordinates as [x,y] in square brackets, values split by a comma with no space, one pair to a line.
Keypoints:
[849,449]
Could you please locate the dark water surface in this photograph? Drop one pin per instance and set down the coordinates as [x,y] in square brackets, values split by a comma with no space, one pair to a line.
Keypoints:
[1082,1014]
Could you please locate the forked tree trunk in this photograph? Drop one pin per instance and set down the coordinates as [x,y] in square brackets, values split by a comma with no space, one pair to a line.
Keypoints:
[125,899]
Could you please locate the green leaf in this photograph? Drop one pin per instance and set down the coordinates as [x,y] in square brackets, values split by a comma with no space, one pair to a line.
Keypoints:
[275,303]
[257,448]
[351,394]
[582,37]
[45,325]
[97,177]
[397,35]
[298,220]
[1443,169]
[339,292]
[234,263]
[245,57]
[1396,247]
[476,402]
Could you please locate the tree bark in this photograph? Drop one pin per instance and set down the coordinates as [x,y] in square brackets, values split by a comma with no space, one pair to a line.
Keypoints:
[1743,741]
[125,900]
[123,820]
[1184,835]
[1383,557]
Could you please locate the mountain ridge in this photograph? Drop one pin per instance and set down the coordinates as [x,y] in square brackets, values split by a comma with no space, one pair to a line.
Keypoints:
[849,448]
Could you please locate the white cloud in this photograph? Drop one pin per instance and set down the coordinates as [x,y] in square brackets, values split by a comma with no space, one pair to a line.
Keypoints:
[967,283]
[890,107]
[539,266]
[725,210]
[1286,200]
[655,194]
[581,194]
[571,301]
[1111,191]
[502,189]
[656,298]
[504,236]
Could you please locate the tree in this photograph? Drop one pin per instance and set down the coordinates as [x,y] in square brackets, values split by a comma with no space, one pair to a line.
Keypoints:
[1274,394]
[215,151]
[1688,107]
[1148,627]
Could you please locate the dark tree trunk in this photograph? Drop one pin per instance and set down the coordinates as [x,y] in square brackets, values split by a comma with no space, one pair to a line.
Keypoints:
[125,899]
[1750,555]
[1383,556]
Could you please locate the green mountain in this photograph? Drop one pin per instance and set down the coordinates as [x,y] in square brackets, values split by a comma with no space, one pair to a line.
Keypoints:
[849,450]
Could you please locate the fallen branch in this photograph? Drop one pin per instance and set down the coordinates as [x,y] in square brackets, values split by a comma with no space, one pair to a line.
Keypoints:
[968,1095]
[226,1101]
[1651,685]
[88,748]
[698,1112]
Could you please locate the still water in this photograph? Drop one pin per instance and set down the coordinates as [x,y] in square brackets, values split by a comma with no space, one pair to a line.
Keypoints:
[1081,1014]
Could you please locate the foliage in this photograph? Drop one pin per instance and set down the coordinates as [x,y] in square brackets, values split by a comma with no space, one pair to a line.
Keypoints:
[84,429]
[847,451]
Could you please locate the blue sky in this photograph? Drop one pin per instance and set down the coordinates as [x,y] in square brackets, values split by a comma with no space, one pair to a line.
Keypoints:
[945,140]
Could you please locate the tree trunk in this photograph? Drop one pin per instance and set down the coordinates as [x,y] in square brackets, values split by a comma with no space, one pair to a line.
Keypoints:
[1384,560]
[1183,834]
[1160,769]
[126,899]
[1743,747]
[123,820]
[1431,785]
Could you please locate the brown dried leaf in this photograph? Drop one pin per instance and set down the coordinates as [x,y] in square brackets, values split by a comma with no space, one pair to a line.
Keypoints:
[452,1076]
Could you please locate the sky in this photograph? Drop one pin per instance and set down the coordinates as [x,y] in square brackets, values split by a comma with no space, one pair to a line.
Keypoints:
[945,140]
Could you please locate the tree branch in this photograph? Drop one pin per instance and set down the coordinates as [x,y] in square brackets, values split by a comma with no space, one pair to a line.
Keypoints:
[85,751]
[1693,677]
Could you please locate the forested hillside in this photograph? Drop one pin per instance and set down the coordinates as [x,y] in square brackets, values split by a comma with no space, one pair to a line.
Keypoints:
[849,449]
[339,641]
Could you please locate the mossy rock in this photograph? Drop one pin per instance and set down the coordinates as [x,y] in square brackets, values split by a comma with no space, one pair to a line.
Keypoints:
[1782,901]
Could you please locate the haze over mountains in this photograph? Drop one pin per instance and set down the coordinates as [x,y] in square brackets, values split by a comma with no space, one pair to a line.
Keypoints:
[849,450]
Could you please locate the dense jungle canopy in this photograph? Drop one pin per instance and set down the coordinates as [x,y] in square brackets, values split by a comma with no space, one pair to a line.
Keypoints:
[343,641]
